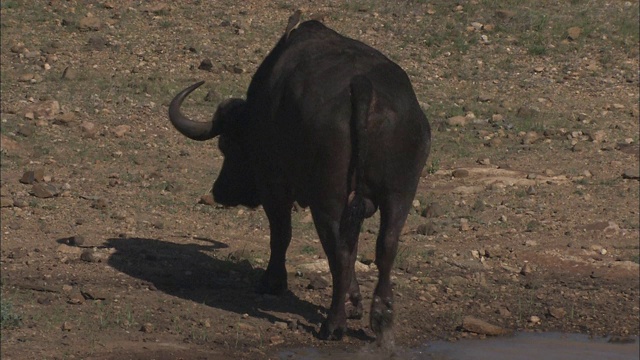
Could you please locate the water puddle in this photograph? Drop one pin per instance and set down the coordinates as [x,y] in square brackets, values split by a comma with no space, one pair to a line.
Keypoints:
[522,346]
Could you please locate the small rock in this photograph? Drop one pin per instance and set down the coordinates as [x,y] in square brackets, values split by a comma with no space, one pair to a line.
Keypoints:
[534,319]
[484,98]
[90,255]
[504,312]
[30,177]
[99,204]
[75,299]
[557,312]
[6,202]
[530,138]
[76,240]
[147,328]
[207,199]
[67,326]
[485,161]
[478,326]
[433,210]
[460,173]
[206,65]
[89,23]
[293,324]
[467,190]
[120,130]
[598,136]
[317,282]
[276,340]
[531,190]
[89,129]
[281,325]
[464,224]
[527,112]
[25,130]
[64,119]
[457,121]
[66,249]
[426,229]
[44,191]
[93,294]
[526,269]
[573,33]
[578,147]
[69,73]
[633,174]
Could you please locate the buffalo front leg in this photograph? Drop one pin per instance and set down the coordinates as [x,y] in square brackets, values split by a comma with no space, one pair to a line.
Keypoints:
[277,206]
[392,218]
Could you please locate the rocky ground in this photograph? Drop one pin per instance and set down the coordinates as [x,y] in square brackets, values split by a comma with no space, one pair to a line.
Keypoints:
[526,217]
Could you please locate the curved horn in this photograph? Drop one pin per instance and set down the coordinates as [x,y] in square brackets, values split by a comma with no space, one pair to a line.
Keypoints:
[195,130]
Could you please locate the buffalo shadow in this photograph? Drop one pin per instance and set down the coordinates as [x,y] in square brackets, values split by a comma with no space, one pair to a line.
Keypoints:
[189,271]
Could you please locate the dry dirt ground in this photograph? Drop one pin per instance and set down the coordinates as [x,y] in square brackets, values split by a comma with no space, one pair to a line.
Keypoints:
[526,216]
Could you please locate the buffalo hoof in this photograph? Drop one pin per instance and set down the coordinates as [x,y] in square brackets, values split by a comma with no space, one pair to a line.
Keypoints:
[331,332]
[381,317]
[272,286]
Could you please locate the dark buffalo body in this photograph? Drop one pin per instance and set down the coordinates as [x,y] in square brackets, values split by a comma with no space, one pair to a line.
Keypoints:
[335,125]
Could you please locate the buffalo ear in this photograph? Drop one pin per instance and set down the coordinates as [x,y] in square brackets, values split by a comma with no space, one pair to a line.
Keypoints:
[229,114]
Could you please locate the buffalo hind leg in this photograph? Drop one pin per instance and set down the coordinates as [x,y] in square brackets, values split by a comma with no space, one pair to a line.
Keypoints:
[392,217]
[354,298]
[278,209]
[340,242]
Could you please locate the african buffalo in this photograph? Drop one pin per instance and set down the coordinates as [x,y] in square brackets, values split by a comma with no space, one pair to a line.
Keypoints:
[335,125]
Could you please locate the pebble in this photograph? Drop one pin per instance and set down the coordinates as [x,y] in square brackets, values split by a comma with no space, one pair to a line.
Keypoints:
[205,65]
[76,299]
[457,121]
[426,228]
[597,136]
[478,326]
[464,224]
[460,173]
[526,269]
[29,177]
[534,319]
[633,174]
[573,33]
[530,138]
[147,328]
[433,210]
[207,199]
[76,240]
[557,312]
[69,73]
[276,340]
[67,326]
[531,190]
[44,191]
[120,130]
[90,255]
[89,23]
[89,129]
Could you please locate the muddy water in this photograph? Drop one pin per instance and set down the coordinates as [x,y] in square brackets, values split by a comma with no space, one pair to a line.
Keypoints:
[523,346]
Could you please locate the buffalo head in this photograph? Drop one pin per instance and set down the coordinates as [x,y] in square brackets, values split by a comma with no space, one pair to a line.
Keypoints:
[235,184]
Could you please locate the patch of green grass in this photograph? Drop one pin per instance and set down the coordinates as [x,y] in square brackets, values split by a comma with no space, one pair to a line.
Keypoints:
[308,250]
[434,166]
[9,4]
[9,318]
